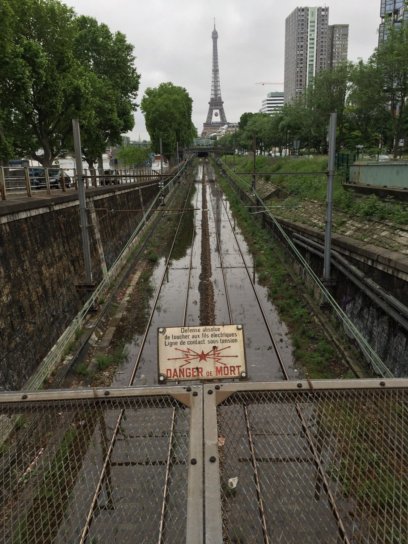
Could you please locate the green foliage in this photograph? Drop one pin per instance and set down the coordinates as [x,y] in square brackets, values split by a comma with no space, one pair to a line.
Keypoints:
[106,360]
[168,110]
[112,85]
[133,155]
[300,187]
[370,99]
[55,66]
[82,370]
[311,348]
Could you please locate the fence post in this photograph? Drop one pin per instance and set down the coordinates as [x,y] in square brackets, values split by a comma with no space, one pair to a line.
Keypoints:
[329,200]
[86,248]
[212,484]
[27,181]
[2,184]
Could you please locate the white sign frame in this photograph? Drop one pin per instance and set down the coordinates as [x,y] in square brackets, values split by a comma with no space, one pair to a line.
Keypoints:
[212,352]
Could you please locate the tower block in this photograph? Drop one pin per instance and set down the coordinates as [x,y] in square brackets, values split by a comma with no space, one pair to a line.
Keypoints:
[216,116]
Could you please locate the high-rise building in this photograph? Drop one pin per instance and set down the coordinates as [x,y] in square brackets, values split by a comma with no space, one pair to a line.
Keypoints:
[216,116]
[305,48]
[338,44]
[393,12]
[273,102]
[311,46]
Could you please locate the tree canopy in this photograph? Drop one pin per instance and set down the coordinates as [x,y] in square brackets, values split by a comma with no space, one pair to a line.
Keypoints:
[370,99]
[167,110]
[56,66]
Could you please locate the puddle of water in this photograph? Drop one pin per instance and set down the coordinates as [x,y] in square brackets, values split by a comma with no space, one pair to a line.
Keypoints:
[262,361]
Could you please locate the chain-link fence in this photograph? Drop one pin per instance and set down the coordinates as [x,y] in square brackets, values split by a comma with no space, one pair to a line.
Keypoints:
[314,466]
[307,462]
[94,470]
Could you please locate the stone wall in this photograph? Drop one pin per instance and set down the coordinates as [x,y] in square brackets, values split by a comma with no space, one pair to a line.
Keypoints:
[387,337]
[41,265]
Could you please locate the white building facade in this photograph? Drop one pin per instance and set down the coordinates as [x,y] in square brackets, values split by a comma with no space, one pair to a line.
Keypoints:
[273,102]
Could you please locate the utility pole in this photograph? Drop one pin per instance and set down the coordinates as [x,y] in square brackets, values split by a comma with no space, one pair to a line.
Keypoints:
[329,201]
[254,167]
[82,203]
[161,157]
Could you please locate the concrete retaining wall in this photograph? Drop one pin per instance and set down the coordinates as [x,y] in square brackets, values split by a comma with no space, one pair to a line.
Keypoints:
[380,174]
[41,265]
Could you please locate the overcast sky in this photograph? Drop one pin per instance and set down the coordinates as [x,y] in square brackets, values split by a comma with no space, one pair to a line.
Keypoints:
[172,42]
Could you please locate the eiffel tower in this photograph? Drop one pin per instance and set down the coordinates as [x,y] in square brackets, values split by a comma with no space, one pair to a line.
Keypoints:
[216,115]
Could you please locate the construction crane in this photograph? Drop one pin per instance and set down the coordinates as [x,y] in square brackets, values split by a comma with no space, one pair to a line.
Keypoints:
[269,83]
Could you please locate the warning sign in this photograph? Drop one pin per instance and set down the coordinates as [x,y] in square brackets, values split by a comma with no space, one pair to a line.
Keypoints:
[201,353]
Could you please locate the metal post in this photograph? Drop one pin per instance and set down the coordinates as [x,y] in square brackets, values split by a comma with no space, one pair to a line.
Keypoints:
[2,183]
[82,202]
[27,181]
[212,482]
[161,157]
[329,202]
[254,171]
[177,151]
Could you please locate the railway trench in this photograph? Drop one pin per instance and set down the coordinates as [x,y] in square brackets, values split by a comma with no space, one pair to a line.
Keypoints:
[213,282]
[132,478]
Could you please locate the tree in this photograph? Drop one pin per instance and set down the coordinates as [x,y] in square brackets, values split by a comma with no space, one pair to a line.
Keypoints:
[367,117]
[107,62]
[391,59]
[7,54]
[327,94]
[167,110]
[41,76]
[133,156]
[47,79]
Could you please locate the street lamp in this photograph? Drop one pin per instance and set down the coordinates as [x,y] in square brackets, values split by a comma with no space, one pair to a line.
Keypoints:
[359,148]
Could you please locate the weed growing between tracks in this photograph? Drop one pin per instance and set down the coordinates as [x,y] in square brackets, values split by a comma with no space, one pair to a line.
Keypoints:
[130,312]
[312,351]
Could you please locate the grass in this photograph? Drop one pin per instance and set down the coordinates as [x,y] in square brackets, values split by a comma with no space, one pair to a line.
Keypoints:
[41,521]
[312,350]
[298,188]
[82,370]
[106,360]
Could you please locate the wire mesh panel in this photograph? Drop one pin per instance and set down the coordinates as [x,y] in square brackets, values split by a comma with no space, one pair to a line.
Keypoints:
[314,466]
[94,470]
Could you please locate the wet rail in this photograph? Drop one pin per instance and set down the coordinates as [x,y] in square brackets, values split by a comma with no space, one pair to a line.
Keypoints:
[168,461]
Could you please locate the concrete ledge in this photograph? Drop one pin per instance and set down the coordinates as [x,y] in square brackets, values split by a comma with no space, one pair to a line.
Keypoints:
[388,261]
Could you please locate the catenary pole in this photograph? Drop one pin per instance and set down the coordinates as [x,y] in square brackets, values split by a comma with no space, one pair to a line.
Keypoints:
[329,200]
[82,202]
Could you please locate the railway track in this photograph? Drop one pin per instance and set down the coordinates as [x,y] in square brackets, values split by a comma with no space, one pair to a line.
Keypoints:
[152,438]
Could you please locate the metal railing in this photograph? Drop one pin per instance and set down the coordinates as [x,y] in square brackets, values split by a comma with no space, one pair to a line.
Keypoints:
[36,181]
[309,461]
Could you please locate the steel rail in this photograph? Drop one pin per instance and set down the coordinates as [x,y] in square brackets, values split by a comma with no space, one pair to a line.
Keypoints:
[122,278]
[167,477]
[103,472]
[158,291]
[257,479]
[303,422]
[274,344]
[227,296]
[193,238]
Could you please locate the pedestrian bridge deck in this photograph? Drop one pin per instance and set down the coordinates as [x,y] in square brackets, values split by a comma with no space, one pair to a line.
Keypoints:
[288,462]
